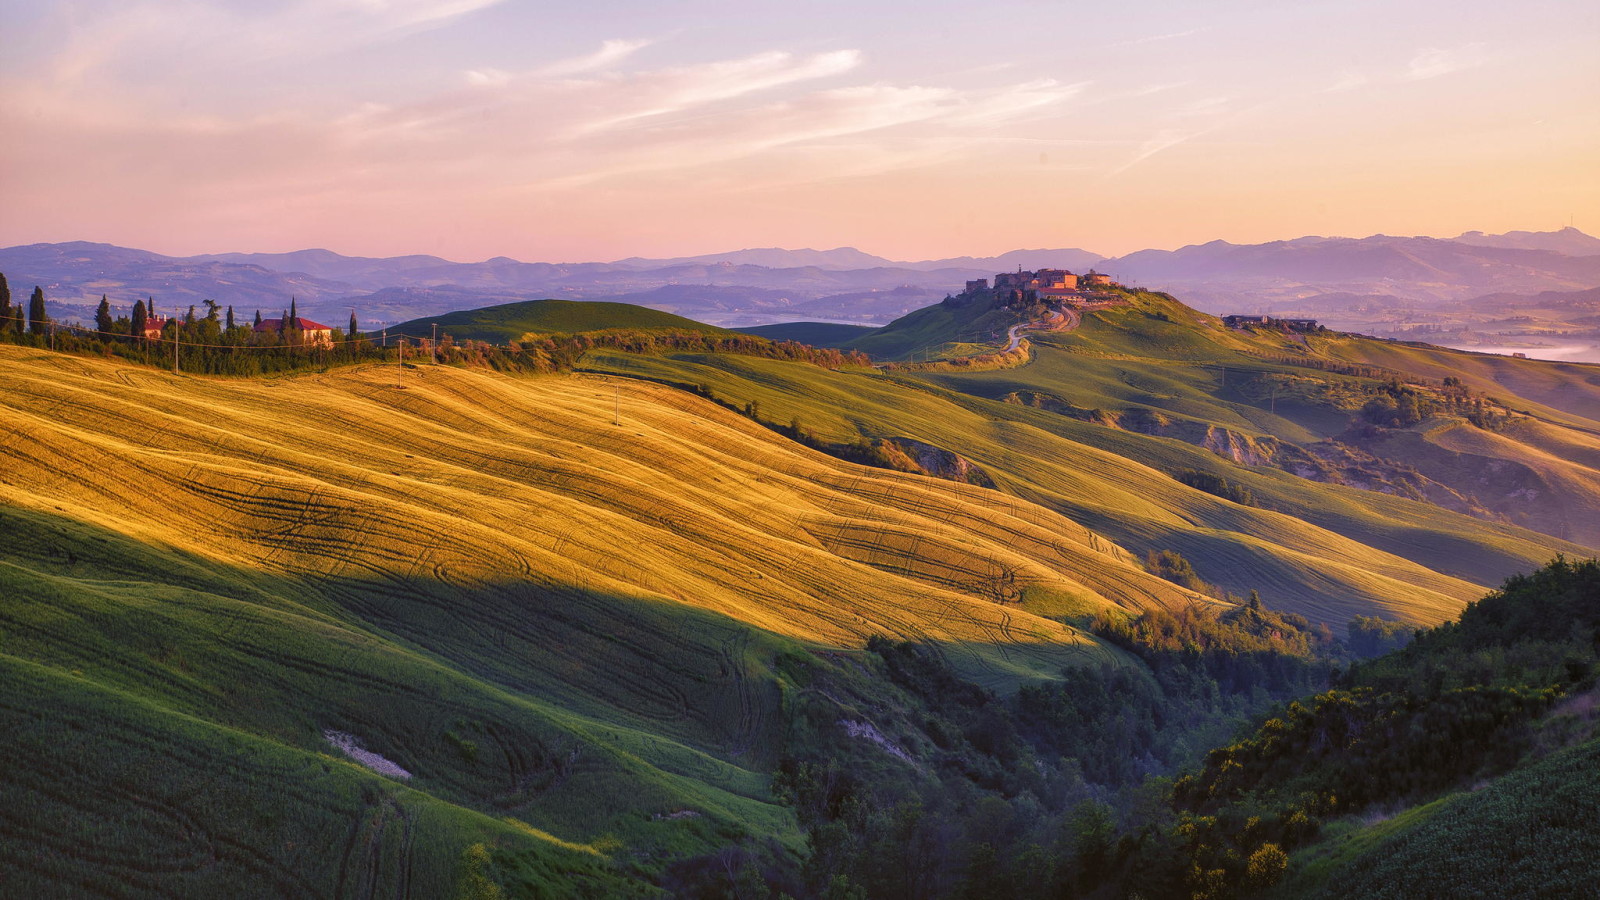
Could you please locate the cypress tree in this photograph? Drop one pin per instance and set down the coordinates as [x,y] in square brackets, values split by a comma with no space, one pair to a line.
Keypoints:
[353,334]
[258,318]
[141,320]
[294,314]
[189,319]
[5,305]
[37,317]
[230,317]
[102,317]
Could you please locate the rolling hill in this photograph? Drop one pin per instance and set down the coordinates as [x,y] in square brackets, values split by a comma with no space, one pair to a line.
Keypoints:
[510,321]
[603,632]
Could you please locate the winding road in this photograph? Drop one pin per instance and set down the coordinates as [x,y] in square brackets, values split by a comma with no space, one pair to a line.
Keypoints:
[1071,319]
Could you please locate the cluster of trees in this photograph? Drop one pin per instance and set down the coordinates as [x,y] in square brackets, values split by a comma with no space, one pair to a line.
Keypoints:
[1176,568]
[17,320]
[1371,636]
[648,342]
[1400,405]
[1456,704]
[1216,485]
[1397,405]
[211,342]
[1058,790]
[1328,365]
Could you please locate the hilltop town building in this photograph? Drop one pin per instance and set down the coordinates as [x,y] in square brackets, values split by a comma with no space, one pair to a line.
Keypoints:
[153,326]
[1050,286]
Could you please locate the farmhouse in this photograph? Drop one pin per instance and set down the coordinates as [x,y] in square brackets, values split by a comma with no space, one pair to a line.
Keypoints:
[153,327]
[313,334]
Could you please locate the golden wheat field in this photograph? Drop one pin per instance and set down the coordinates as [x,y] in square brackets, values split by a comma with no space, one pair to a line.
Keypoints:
[474,479]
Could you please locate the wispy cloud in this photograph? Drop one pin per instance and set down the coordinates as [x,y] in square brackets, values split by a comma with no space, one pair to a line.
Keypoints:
[677,89]
[610,53]
[231,34]
[1425,64]
[1165,139]
[1349,81]
[1169,36]
[1192,120]
[1433,62]
[947,120]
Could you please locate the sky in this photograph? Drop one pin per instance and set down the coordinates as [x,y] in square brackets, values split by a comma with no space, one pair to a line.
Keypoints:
[544,131]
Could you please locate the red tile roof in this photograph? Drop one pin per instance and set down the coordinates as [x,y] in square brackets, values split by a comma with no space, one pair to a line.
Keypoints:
[302,323]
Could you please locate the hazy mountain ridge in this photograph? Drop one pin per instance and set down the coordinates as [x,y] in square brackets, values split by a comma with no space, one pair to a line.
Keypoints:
[1568,240]
[750,286]
[1430,268]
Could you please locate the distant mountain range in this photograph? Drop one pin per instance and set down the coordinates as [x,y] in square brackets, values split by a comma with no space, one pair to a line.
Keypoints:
[1568,240]
[748,287]
[848,258]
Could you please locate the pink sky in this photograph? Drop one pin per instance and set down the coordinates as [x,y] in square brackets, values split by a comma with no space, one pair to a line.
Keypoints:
[477,128]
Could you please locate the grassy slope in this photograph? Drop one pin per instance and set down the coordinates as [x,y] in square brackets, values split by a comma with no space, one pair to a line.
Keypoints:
[942,329]
[1529,833]
[109,794]
[511,321]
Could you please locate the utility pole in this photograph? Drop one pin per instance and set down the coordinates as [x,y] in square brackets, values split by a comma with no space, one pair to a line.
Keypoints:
[400,367]
[176,323]
[435,345]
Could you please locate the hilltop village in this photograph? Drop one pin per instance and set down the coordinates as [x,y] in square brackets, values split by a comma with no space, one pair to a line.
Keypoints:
[1050,287]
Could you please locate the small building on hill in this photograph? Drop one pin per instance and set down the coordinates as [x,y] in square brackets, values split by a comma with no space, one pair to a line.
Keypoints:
[153,327]
[312,334]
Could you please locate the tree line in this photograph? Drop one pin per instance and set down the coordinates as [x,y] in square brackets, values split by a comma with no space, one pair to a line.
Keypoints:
[213,340]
